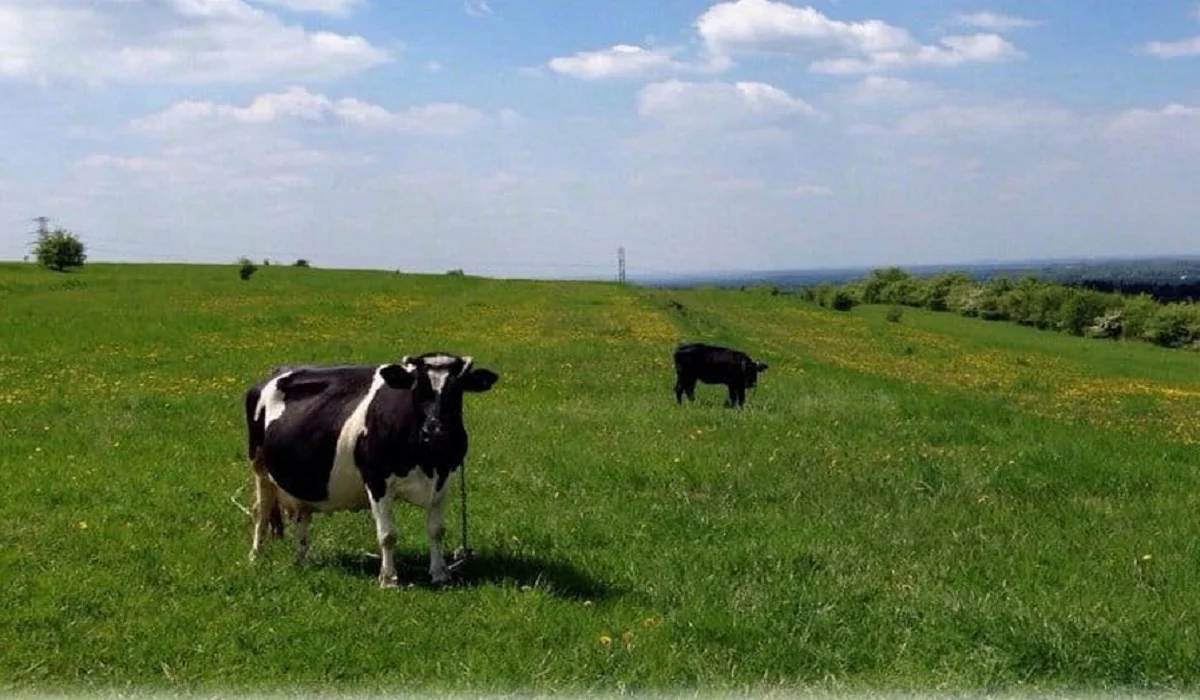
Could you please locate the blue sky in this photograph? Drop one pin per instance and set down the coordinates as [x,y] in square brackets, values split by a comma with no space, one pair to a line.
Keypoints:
[535,137]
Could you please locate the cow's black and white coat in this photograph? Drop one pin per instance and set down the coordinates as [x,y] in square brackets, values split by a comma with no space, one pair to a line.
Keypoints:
[713,364]
[357,437]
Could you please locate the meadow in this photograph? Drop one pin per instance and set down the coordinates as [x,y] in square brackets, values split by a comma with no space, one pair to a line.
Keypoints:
[941,503]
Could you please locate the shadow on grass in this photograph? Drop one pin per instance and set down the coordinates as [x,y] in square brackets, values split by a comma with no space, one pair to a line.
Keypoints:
[483,568]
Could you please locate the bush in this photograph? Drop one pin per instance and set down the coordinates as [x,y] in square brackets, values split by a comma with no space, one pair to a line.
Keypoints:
[1080,309]
[1173,325]
[1136,315]
[939,289]
[246,268]
[842,300]
[301,263]
[894,314]
[59,250]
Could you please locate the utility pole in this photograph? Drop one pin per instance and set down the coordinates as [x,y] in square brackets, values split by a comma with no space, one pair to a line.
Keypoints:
[621,264]
[41,222]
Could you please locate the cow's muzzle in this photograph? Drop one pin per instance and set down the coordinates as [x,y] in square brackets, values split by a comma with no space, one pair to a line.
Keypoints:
[432,430]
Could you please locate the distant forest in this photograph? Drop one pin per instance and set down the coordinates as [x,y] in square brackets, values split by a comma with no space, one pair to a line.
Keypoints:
[1164,279]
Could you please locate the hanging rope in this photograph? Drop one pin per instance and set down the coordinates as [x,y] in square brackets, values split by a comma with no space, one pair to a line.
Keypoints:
[463,552]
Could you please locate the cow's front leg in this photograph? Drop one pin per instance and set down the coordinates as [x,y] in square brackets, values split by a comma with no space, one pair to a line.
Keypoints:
[436,529]
[301,516]
[385,531]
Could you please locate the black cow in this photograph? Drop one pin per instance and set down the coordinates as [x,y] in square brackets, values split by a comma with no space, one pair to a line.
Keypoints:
[355,437]
[713,364]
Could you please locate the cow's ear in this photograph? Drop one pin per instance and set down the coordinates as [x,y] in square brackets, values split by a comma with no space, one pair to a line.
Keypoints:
[762,366]
[397,376]
[479,379]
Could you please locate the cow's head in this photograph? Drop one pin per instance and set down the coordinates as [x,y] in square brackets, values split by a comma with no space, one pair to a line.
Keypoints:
[752,370]
[437,381]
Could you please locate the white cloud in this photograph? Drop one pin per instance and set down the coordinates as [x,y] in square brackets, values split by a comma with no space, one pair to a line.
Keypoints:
[1171,115]
[994,21]
[989,119]
[811,190]
[298,104]
[510,118]
[1173,49]
[620,61]
[955,50]
[737,184]
[170,41]
[883,89]
[834,46]
[720,104]
[478,8]
[337,8]
[1179,48]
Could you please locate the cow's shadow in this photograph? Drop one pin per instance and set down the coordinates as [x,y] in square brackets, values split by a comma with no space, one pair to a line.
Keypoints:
[481,569]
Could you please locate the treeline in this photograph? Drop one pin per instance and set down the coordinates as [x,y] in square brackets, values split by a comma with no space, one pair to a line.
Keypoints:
[1028,301]
[1160,291]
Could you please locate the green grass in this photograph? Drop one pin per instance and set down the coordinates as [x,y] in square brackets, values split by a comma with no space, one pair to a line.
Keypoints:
[940,503]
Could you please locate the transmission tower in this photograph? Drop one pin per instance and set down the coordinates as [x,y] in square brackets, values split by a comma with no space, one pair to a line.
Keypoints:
[621,264]
[42,222]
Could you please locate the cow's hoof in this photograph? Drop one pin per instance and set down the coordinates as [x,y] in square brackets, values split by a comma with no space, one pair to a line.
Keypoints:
[389,581]
[442,578]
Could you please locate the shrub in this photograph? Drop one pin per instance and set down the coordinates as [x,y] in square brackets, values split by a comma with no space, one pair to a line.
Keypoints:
[59,250]
[301,263]
[824,293]
[246,268]
[1173,325]
[894,314]
[1080,309]
[841,300]
[1136,315]
[457,272]
[1109,325]
[936,294]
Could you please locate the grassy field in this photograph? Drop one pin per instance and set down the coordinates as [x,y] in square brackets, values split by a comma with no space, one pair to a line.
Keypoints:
[940,503]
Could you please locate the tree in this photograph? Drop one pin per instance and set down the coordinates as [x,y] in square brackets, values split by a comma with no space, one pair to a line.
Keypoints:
[59,250]
[246,268]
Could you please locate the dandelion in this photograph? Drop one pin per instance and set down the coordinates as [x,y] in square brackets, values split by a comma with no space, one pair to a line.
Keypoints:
[587,603]
[650,622]
[82,525]
[605,640]
[627,637]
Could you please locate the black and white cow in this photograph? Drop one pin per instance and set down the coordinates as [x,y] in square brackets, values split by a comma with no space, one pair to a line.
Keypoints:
[356,437]
[713,364]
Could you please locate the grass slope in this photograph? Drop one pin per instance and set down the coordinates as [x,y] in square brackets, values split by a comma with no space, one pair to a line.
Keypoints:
[938,503]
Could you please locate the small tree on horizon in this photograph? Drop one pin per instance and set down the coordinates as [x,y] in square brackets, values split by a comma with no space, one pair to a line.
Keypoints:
[59,250]
[246,268]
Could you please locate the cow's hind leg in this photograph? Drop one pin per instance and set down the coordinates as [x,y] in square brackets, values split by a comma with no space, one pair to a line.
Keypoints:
[385,532]
[266,507]
[435,526]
